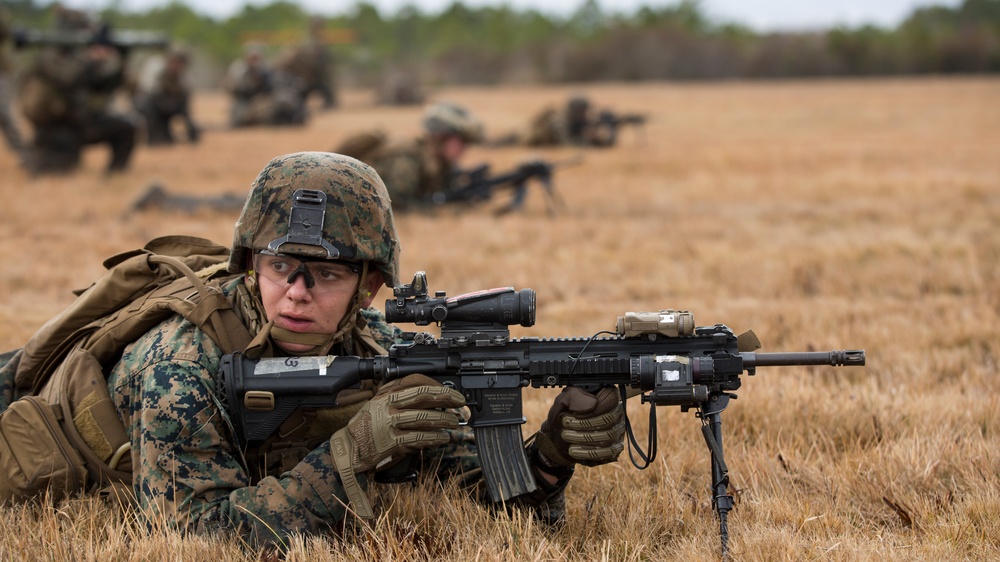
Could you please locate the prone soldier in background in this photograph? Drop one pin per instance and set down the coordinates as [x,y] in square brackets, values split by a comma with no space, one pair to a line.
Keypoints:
[399,86]
[262,95]
[163,94]
[8,126]
[414,169]
[66,95]
[576,124]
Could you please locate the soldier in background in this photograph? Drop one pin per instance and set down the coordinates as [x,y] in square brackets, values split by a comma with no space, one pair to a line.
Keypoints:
[414,169]
[311,64]
[66,95]
[68,19]
[163,94]
[400,87]
[575,124]
[262,95]
[8,127]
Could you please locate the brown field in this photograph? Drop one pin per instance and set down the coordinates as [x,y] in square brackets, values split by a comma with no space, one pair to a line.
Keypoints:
[821,214]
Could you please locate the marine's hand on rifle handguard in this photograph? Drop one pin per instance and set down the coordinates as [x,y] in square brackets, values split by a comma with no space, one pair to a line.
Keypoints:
[582,427]
[405,415]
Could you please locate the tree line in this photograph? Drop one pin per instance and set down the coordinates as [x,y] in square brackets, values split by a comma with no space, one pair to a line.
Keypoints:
[466,45]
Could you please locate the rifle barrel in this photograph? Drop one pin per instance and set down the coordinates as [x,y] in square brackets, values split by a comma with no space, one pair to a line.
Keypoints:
[836,358]
[127,38]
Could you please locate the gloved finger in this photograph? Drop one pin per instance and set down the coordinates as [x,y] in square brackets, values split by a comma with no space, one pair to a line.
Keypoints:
[600,422]
[592,456]
[409,381]
[426,397]
[616,433]
[572,399]
[409,441]
[607,399]
[424,420]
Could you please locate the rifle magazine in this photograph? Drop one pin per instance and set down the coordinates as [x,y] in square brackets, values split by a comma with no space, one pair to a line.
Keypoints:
[505,466]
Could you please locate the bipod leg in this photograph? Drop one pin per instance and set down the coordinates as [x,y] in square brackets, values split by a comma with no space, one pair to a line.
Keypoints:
[516,200]
[711,428]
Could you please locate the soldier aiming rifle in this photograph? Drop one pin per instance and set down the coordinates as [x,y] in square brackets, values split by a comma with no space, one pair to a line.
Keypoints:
[424,172]
[575,124]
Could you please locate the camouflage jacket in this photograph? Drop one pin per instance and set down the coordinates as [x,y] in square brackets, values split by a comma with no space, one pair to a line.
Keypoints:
[188,469]
[557,127]
[410,170]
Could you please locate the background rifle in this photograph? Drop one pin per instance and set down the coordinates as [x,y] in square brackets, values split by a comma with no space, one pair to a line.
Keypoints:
[477,185]
[122,39]
[608,123]
[156,197]
[661,355]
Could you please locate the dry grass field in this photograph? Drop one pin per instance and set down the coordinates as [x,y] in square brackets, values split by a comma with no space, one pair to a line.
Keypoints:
[820,214]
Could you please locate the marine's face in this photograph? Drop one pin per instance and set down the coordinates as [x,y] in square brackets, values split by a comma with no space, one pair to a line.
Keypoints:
[308,296]
[452,148]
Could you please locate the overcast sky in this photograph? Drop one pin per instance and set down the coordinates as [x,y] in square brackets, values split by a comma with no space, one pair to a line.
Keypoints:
[762,15]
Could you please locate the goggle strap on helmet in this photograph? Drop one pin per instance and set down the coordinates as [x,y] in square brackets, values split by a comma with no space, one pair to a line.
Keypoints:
[305,223]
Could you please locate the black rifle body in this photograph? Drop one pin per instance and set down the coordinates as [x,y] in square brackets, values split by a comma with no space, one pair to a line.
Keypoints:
[477,186]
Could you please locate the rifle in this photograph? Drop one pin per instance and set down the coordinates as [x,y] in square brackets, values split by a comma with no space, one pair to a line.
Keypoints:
[661,355]
[122,39]
[608,123]
[156,196]
[476,185]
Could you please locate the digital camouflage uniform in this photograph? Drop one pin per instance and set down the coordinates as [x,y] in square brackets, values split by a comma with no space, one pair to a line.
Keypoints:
[411,171]
[188,467]
[571,125]
[163,94]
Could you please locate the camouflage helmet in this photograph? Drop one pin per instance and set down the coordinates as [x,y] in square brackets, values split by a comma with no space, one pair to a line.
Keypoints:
[444,118]
[298,191]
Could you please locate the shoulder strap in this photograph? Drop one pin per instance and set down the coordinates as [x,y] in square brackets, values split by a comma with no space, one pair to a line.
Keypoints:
[141,288]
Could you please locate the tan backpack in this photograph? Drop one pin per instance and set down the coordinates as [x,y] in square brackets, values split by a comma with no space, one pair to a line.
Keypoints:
[65,436]
[362,145]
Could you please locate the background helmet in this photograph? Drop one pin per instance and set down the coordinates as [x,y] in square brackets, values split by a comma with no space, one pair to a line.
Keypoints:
[446,118]
[578,104]
[293,191]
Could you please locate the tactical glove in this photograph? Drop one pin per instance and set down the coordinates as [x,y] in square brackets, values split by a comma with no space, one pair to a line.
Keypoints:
[405,415]
[582,428]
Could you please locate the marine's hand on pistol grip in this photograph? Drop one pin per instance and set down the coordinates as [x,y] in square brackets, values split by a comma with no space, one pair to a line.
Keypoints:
[405,415]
